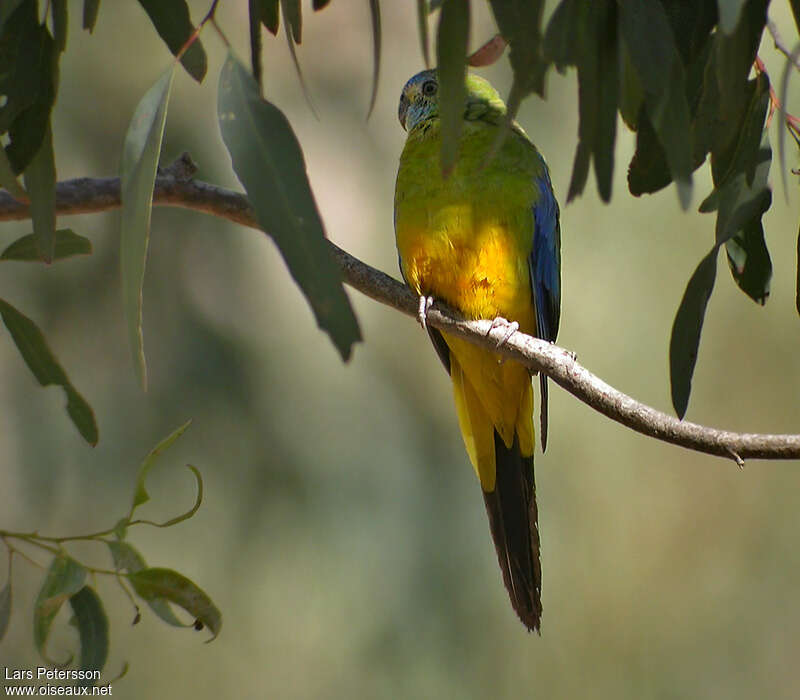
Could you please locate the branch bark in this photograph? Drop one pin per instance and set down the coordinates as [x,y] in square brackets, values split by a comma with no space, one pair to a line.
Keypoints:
[174,187]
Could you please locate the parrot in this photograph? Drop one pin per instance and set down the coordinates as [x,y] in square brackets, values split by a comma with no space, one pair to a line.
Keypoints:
[485,239]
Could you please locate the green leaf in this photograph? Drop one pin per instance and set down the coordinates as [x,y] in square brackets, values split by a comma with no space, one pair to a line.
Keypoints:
[68,243]
[580,171]
[5,608]
[126,558]
[566,36]
[686,329]
[729,11]
[269,162]
[254,10]
[289,28]
[451,56]
[92,630]
[173,24]
[41,361]
[8,179]
[650,42]
[168,585]
[138,174]
[749,261]
[422,25]
[64,578]
[40,182]
[741,153]
[520,23]
[631,95]
[293,17]
[60,24]
[140,495]
[268,13]
[7,8]
[375,16]
[90,10]
[28,79]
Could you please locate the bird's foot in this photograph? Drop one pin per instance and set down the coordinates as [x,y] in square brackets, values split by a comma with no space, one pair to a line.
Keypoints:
[510,327]
[425,304]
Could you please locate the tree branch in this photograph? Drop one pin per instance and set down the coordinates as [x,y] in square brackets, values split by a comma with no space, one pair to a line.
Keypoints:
[174,187]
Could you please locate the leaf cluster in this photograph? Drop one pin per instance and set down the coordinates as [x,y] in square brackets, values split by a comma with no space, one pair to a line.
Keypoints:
[65,580]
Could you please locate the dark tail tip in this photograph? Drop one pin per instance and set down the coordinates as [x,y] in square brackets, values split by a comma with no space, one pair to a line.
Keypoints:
[513,522]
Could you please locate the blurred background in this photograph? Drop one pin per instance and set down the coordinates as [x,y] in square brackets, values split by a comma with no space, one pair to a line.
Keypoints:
[343,533]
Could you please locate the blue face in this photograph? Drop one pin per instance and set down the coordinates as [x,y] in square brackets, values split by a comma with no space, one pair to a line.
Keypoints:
[418,99]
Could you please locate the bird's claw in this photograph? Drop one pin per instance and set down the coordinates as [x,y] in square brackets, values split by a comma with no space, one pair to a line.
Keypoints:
[425,304]
[511,327]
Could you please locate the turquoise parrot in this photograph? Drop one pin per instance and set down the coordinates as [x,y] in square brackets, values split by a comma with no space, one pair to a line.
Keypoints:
[486,241]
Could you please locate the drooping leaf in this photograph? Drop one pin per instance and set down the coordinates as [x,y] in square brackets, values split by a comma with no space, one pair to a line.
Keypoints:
[68,243]
[319,4]
[28,80]
[293,18]
[584,34]
[268,13]
[254,7]
[269,162]
[375,16]
[289,30]
[686,329]
[749,261]
[168,585]
[140,155]
[41,361]
[90,10]
[735,53]
[173,24]
[5,608]
[741,153]
[40,182]
[650,42]
[92,631]
[127,558]
[59,8]
[64,578]
[631,94]
[520,23]
[729,11]
[140,495]
[451,56]
[422,25]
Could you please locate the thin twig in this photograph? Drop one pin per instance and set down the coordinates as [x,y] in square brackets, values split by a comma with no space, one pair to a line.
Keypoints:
[89,195]
[772,28]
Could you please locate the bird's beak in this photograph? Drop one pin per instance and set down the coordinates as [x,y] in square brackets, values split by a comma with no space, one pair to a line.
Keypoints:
[403,110]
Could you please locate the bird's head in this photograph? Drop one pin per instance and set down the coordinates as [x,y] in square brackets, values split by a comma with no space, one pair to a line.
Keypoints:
[419,101]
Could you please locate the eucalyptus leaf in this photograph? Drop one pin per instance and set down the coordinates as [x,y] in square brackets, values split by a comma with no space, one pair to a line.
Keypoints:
[40,183]
[686,329]
[45,367]
[140,494]
[140,155]
[90,10]
[127,558]
[451,56]
[269,162]
[60,23]
[173,24]
[422,25]
[375,17]
[92,631]
[168,585]
[67,244]
[64,578]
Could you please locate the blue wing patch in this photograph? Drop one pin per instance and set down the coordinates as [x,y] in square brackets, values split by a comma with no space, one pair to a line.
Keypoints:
[544,264]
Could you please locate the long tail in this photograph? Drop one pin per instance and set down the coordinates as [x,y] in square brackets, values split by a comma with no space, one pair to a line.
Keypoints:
[513,521]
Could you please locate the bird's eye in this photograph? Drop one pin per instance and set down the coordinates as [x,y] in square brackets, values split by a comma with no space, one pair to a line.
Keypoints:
[429,88]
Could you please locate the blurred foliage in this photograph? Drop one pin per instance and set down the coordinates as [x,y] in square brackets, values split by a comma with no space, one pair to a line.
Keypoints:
[404,598]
